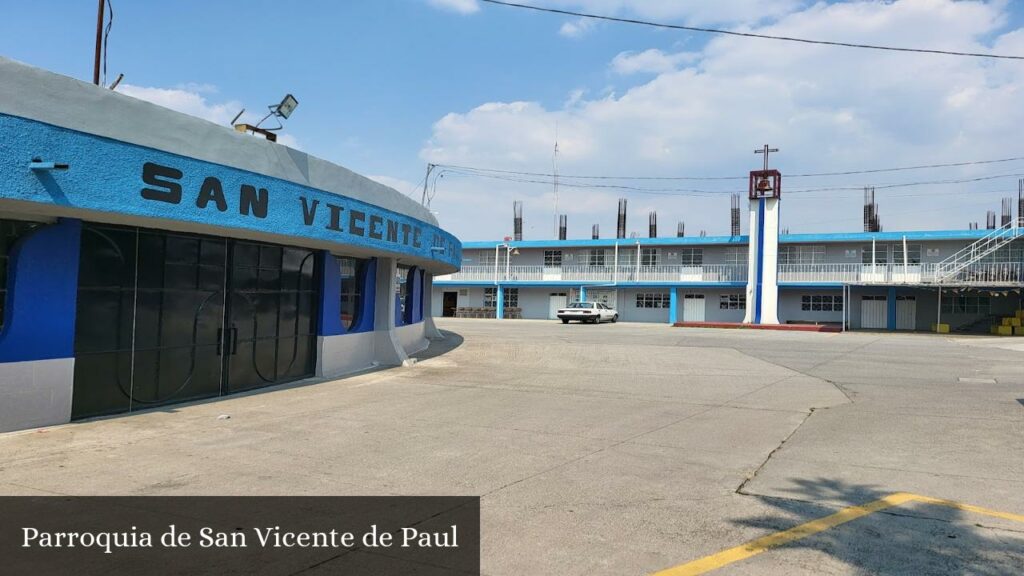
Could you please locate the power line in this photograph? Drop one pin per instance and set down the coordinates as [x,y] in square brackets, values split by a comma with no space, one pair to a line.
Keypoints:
[709,178]
[533,178]
[751,34]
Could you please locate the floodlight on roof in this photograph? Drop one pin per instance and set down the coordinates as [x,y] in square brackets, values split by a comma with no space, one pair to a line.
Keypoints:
[282,109]
[287,105]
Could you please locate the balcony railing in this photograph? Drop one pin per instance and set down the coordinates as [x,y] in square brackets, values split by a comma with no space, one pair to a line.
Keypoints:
[601,274]
[986,274]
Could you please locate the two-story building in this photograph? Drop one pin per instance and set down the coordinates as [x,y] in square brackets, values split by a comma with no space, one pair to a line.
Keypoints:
[967,279]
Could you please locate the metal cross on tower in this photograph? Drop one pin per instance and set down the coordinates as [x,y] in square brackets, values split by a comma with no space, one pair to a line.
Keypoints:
[766,150]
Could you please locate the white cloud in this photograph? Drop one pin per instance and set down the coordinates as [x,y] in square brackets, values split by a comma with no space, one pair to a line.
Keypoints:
[403,186]
[827,109]
[460,6]
[577,28]
[650,61]
[189,99]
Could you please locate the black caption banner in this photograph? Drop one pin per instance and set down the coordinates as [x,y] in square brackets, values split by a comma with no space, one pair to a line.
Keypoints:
[354,536]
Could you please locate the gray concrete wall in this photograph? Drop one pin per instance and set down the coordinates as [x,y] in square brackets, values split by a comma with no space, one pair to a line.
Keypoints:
[36,393]
[344,354]
[413,337]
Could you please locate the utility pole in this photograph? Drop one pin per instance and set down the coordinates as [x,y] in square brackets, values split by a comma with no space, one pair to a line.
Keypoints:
[99,43]
[426,181]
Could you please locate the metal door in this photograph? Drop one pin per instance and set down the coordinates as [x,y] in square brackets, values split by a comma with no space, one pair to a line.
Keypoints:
[906,312]
[874,312]
[449,304]
[150,308]
[270,331]
[165,317]
[557,300]
[693,307]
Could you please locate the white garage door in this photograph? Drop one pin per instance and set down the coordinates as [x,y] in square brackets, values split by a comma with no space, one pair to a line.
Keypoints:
[906,312]
[558,300]
[873,313]
[693,307]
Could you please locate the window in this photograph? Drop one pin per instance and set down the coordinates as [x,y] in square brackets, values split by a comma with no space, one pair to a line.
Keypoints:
[881,254]
[1010,253]
[913,253]
[736,256]
[823,302]
[652,300]
[402,288]
[511,298]
[553,258]
[352,270]
[802,254]
[595,257]
[490,297]
[732,302]
[10,231]
[648,256]
[966,305]
[691,256]
[485,258]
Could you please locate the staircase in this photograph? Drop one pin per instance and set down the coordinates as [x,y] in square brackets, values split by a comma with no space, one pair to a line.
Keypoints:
[994,240]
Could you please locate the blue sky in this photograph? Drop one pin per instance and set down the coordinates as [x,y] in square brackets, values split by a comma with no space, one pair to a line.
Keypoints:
[386,86]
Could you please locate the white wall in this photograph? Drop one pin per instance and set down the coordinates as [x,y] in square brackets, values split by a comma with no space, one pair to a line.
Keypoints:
[344,354]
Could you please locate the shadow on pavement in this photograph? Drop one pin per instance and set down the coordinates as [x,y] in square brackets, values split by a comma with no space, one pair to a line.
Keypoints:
[913,538]
[451,341]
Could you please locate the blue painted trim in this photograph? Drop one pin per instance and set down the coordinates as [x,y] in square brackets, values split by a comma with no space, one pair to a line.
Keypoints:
[365,320]
[42,293]
[106,176]
[583,293]
[673,304]
[414,296]
[760,261]
[330,296]
[912,235]
[890,301]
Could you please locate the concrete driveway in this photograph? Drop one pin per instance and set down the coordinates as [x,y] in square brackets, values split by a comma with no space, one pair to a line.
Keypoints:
[621,448]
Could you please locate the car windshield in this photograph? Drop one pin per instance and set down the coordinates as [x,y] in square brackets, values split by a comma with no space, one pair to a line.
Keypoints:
[581,305]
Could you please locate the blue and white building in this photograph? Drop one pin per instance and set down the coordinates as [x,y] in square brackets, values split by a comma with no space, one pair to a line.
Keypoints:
[966,280]
[148,257]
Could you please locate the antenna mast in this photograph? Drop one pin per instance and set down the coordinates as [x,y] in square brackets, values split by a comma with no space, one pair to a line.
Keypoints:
[554,167]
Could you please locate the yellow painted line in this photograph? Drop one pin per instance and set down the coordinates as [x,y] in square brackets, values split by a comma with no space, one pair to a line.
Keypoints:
[765,543]
[970,508]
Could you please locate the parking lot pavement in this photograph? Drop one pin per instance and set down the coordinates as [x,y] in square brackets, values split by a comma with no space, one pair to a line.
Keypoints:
[618,448]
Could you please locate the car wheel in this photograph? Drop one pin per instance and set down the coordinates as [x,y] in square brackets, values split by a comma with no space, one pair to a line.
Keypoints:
[615,318]
[565,320]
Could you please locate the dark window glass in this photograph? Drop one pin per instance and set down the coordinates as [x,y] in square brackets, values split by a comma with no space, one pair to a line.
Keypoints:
[10,232]
[352,270]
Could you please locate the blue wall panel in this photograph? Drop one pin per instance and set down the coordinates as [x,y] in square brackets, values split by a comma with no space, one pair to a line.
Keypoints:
[42,292]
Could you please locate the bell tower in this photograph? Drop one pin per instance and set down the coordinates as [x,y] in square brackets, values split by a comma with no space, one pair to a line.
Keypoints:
[762,278]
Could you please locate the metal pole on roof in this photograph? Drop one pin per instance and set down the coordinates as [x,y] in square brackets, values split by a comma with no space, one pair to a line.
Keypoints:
[615,267]
[496,246]
[938,311]
[905,258]
[99,43]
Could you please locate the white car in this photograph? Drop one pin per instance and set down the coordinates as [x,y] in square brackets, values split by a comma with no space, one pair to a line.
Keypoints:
[594,312]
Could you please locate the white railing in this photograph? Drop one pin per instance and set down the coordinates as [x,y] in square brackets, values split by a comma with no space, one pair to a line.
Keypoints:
[988,274]
[980,273]
[601,274]
[973,253]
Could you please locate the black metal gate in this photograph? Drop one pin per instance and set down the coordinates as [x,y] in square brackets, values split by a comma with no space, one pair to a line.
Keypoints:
[166,317]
